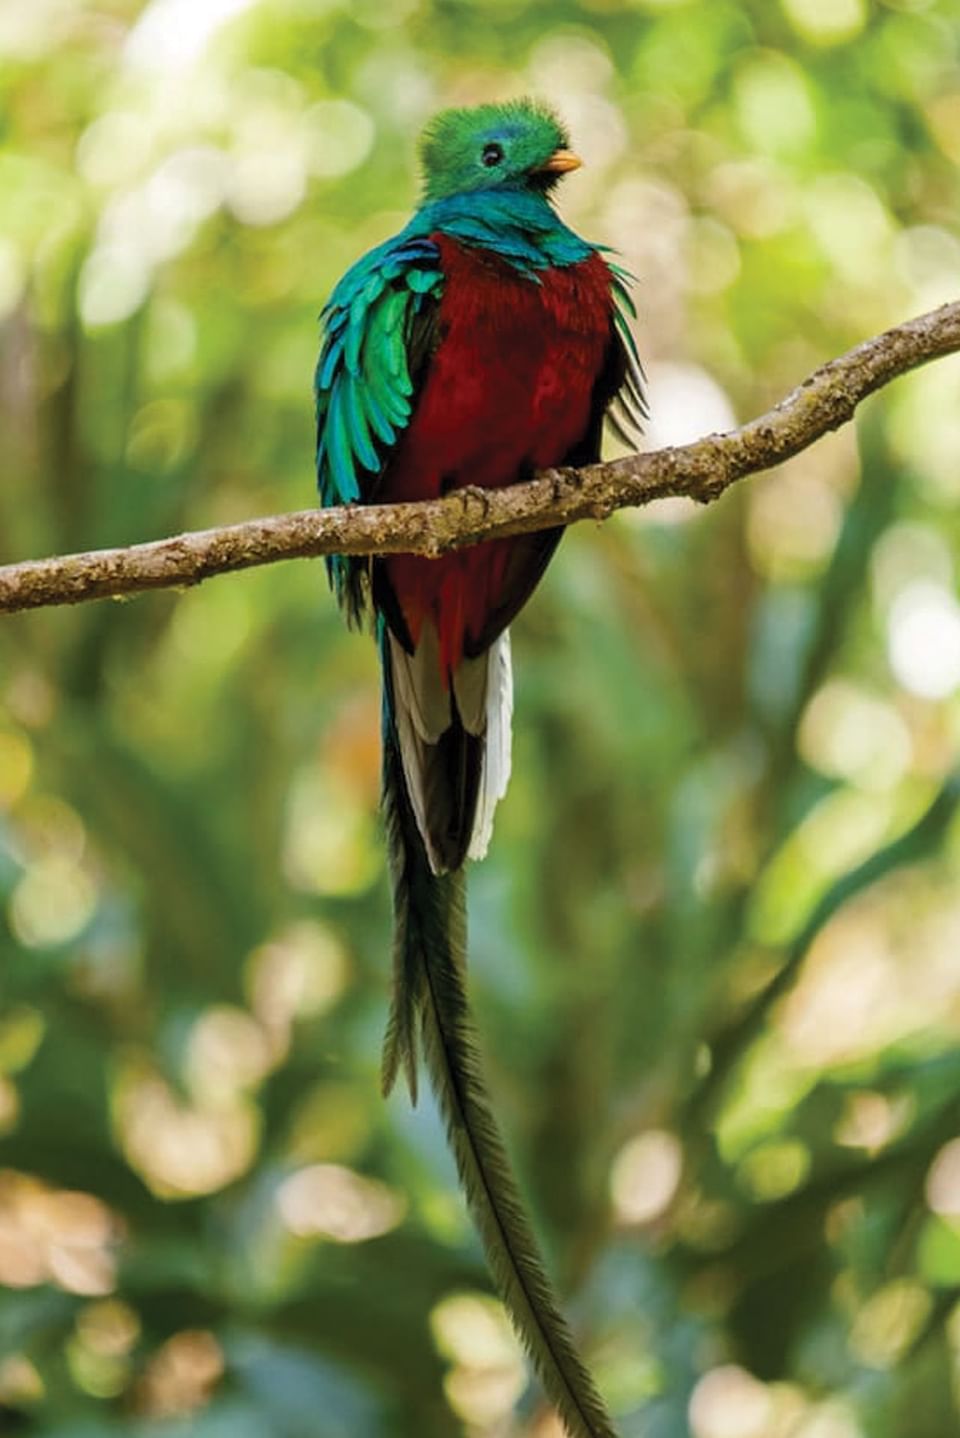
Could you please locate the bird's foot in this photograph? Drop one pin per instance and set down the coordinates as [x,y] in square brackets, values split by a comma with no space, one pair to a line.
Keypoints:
[473,494]
[562,481]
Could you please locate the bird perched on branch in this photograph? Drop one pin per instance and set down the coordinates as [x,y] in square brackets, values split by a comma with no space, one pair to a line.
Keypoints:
[484,342]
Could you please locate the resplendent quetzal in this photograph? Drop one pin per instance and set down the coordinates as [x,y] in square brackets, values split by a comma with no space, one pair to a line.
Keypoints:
[482,343]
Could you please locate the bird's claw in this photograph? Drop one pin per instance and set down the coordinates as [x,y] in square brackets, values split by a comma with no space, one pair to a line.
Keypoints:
[473,494]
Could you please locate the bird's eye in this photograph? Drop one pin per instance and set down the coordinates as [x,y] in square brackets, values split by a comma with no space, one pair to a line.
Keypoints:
[492,155]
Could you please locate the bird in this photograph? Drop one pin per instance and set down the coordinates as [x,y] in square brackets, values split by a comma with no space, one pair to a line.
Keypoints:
[483,342]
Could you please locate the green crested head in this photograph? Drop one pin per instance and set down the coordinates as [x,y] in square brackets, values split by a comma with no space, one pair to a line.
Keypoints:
[518,145]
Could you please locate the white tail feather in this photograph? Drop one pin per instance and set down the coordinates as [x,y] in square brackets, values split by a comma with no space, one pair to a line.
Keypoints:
[423,700]
[496,754]
[423,715]
[483,690]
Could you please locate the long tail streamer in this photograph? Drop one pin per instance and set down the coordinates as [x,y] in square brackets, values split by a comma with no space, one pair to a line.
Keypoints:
[430,1001]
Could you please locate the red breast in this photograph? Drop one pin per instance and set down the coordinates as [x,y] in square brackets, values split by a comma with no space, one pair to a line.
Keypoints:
[508,390]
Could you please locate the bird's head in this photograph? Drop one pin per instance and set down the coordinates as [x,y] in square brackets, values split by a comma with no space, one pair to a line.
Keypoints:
[519,145]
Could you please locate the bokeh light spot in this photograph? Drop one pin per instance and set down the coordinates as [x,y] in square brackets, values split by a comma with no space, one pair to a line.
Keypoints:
[645,1176]
[943,1181]
[228,1053]
[57,1236]
[889,1321]
[923,640]
[774,1169]
[180,1149]
[851,226]
[327,1200]
[685,404]
[339,137]
[20,1382]
[115,148]
[299,974]
[728,1402]
[114,283]
[53,902]
[774,104]
[848,733]
[181,1375]
[488,1373]
[870,1120]
[827,22]
[171,35]
[906,552]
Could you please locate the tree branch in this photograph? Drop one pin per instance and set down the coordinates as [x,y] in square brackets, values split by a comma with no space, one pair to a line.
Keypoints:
[701,471]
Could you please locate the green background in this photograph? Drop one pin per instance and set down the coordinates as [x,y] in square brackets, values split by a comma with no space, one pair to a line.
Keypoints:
[715,949]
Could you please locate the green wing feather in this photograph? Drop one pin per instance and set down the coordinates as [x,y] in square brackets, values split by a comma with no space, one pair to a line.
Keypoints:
[363,384]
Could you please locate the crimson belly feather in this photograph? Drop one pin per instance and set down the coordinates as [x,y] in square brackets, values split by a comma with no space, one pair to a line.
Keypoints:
[508,391]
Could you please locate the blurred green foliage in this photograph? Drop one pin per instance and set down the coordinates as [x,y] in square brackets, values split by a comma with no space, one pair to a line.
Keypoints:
[715,947]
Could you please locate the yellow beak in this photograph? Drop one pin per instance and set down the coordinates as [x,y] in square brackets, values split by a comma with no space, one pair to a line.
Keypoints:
[561,161]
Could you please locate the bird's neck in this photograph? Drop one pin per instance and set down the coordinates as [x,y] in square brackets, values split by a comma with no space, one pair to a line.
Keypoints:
[518,225]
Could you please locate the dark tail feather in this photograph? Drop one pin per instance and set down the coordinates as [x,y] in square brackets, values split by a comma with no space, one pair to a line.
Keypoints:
[429,996]
[429,923]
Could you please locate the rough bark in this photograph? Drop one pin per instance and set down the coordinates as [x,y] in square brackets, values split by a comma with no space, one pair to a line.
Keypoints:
[702,471]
